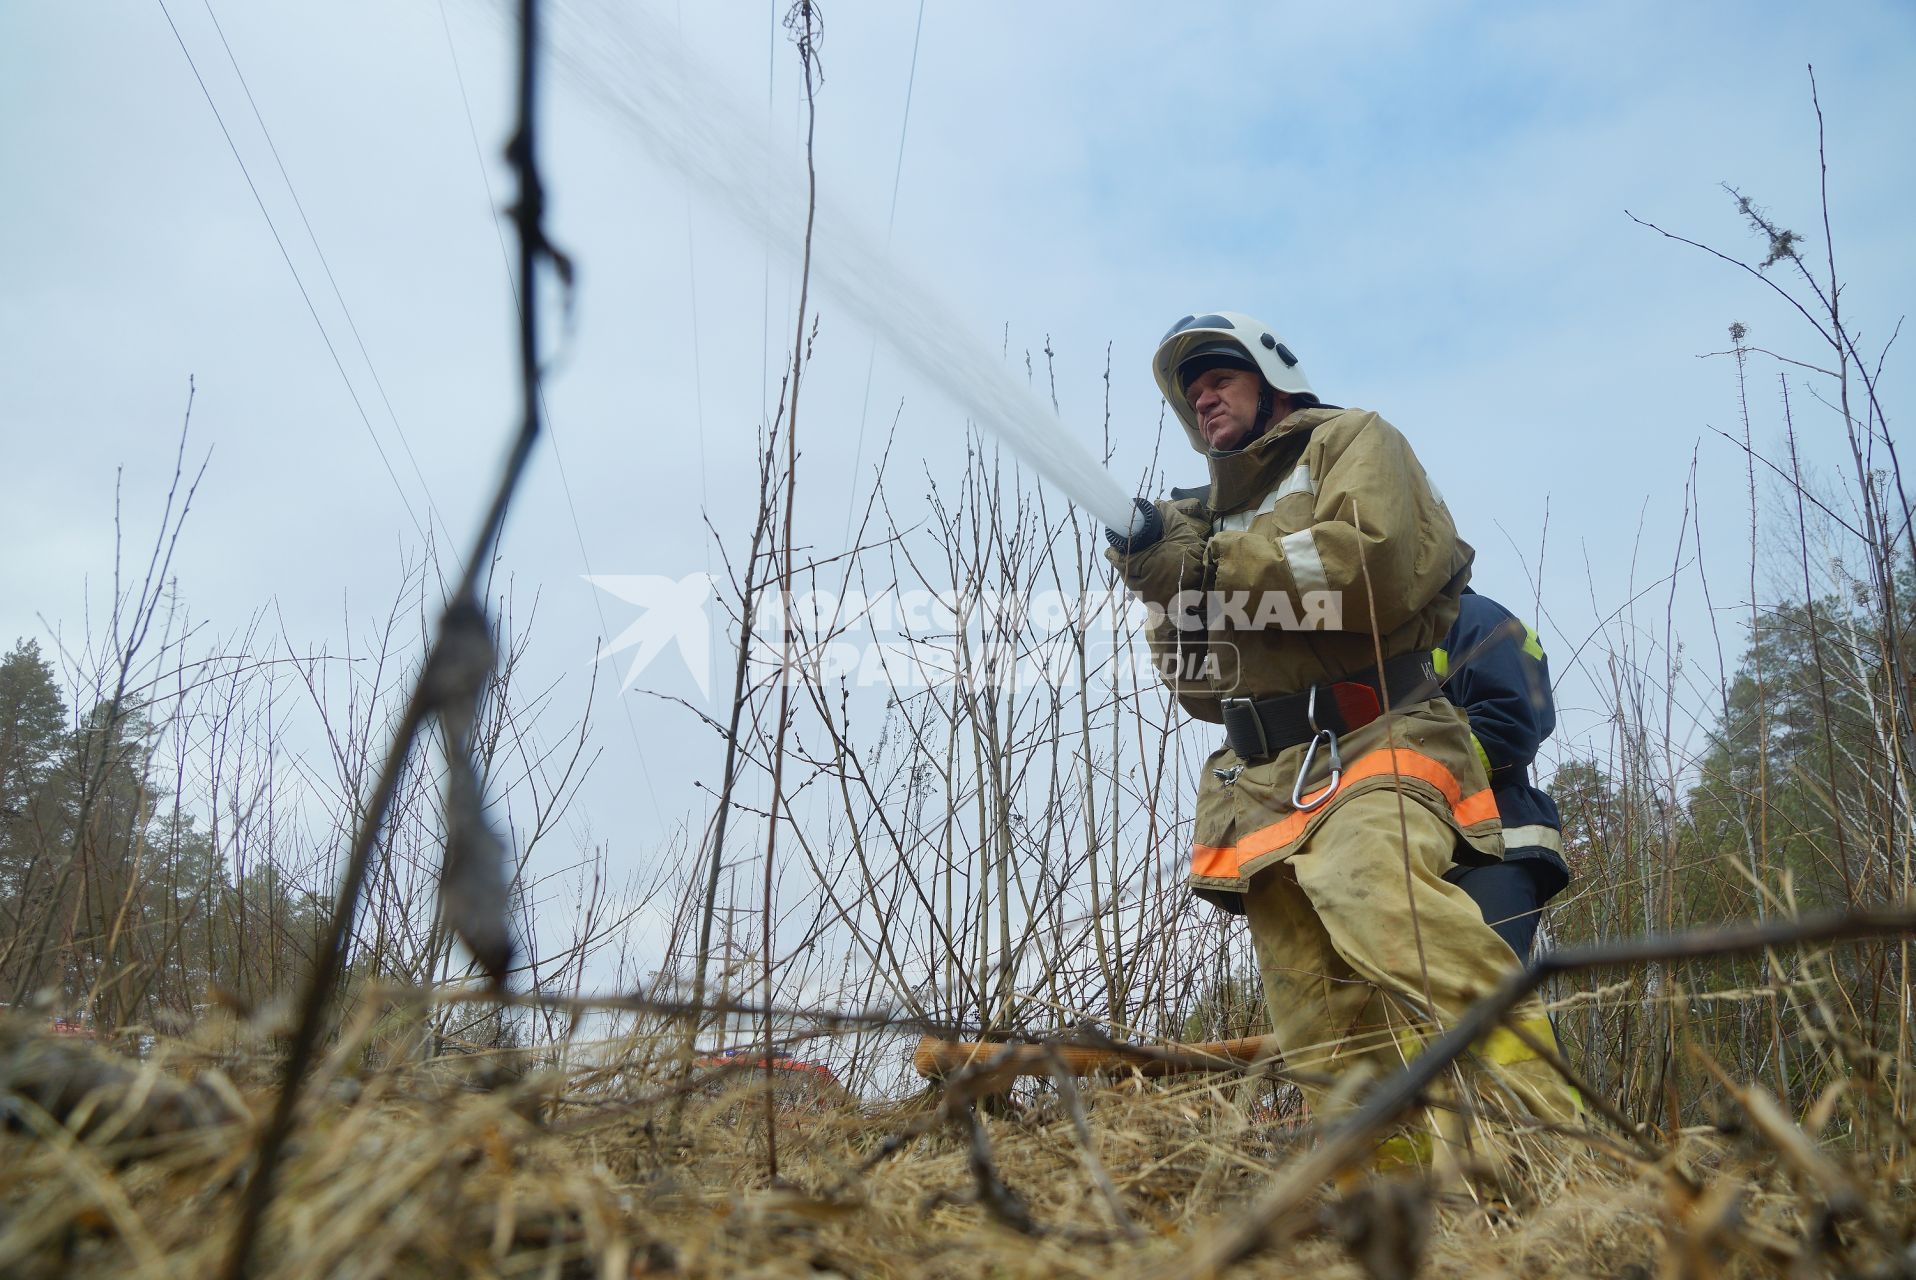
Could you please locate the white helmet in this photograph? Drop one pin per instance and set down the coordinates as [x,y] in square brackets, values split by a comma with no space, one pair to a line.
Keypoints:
[1223,335]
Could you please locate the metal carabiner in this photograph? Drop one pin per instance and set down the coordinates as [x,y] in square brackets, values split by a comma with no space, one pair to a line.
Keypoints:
[1319,737]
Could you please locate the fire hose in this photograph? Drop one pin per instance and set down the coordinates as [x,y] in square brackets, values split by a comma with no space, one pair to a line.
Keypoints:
[937,1059]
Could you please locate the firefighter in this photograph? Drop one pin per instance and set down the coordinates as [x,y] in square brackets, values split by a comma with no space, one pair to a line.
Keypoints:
[1345,790]
[1493,666]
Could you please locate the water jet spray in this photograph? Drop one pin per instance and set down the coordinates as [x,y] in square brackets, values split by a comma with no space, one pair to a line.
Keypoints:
[633,66]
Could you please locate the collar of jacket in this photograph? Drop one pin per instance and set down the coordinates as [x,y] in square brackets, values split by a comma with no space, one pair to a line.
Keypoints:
[1242,477]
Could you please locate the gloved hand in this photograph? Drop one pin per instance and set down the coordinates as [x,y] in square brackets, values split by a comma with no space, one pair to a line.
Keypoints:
[1145,530]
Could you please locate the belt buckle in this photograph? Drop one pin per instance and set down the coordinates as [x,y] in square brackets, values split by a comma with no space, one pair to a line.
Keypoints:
[1257,723]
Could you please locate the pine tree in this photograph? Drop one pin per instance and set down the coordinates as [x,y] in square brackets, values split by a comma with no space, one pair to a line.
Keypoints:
[33,719]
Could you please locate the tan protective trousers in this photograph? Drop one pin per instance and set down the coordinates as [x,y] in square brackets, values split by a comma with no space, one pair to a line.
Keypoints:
[1338,952]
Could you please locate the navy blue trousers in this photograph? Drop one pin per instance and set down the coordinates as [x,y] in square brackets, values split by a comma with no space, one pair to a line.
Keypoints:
[1511,896]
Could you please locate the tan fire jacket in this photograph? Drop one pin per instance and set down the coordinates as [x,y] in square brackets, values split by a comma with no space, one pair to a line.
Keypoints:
[1314,544]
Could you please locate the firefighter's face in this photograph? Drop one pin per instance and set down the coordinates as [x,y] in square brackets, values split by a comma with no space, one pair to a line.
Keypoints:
[1225,401]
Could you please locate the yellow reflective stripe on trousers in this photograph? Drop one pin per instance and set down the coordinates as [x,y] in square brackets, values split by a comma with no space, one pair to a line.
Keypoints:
[1501,1046]
[1504,1047]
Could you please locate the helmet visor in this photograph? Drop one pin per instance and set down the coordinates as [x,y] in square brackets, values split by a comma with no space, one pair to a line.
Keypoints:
[1213,355]
[1210,320]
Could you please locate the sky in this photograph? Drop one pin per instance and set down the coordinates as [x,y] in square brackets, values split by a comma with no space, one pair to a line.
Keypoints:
[1429,202]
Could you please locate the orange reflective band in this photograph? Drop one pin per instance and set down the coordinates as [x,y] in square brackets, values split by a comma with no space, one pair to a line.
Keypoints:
[1223,863]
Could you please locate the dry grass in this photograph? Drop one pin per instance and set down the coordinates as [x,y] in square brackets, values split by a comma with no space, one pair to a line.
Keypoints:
[463,1166]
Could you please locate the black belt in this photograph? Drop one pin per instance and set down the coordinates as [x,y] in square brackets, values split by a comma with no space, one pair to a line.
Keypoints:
[1259,728]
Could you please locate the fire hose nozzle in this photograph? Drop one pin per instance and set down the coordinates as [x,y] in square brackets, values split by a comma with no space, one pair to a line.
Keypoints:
[1146,527]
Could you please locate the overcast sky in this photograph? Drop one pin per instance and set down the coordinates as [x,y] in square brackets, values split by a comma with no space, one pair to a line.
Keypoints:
[1427,201]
